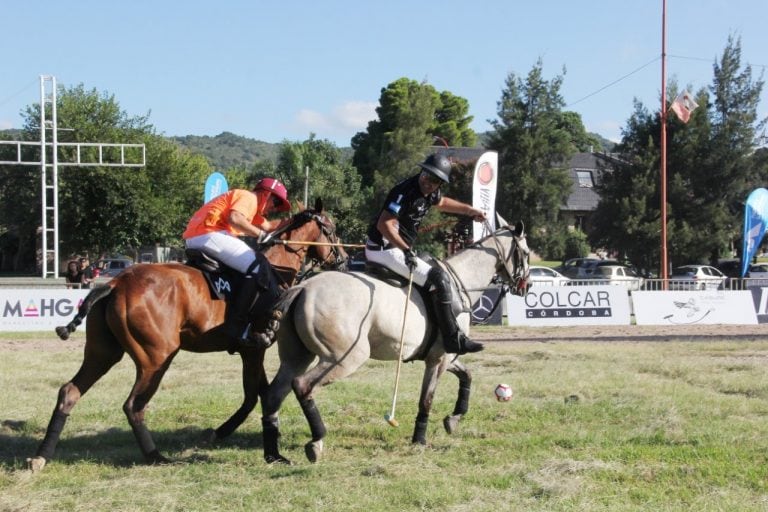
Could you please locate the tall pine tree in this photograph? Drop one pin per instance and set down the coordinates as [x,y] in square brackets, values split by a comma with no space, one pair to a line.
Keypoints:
[533,137]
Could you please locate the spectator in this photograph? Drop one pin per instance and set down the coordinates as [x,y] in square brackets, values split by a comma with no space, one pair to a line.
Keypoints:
[73,276]
[87,272]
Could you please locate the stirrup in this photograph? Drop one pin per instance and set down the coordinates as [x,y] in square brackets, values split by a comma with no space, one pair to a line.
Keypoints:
[266,338]
[460,344]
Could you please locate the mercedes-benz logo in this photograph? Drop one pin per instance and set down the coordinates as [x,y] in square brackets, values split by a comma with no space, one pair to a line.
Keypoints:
[482,309]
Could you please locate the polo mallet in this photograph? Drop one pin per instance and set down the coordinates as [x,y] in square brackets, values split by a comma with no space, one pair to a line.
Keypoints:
[390,417]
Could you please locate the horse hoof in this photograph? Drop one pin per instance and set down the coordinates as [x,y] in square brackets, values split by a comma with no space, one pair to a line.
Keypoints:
[277,459]
[156,458]
[450,423]
[62,332]
[313,450]
[35,464]
[209,436]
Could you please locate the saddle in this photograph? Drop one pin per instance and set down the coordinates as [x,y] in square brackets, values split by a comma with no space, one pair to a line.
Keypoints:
[382,273]
[224,281]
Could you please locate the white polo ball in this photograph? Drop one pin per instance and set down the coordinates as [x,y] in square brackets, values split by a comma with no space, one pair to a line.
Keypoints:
[503,392]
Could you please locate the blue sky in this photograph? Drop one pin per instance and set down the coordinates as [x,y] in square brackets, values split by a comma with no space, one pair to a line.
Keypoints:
[278,71]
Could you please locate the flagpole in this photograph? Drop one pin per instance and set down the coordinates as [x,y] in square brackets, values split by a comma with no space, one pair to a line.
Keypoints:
[664,263]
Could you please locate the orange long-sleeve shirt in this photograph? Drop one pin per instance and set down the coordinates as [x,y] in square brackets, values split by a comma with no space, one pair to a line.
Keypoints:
[214,215]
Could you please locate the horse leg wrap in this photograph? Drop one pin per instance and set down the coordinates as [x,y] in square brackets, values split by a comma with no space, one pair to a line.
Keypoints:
[271,436]
[420,432]
[313,417]
[462,404]
[55,426]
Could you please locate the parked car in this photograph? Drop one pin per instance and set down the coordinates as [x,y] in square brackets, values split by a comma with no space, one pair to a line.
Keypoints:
[758,271]
[110,267]
[730,268]
[356,262]
[546,276]
[696,277]
[618,275]
[577,268]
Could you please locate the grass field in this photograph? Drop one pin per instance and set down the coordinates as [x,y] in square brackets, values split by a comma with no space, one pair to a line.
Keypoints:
[593,426]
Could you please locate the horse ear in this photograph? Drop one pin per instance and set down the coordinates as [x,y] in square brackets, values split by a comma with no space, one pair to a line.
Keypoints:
[500,221]
[519,228]
[300,205]
[318,205]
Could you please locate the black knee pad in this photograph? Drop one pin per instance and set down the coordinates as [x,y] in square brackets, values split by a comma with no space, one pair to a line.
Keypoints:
[438,278]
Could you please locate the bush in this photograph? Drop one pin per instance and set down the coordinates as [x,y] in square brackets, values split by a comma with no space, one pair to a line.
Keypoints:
[576,245]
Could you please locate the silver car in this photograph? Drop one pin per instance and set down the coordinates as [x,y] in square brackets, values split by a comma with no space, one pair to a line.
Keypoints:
[618,275]
[545,276]
[110,267]
[696,277]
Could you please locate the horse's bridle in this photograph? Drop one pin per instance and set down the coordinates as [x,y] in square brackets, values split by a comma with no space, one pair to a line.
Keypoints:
[518,257]
[335,259]
[326,228]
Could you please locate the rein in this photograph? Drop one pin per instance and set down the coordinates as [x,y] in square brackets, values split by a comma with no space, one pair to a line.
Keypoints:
[326,228]
[516,279]
[503,291]
[320,244]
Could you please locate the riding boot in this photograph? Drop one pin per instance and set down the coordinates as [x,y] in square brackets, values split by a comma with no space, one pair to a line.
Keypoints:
[239,310]
[454,340]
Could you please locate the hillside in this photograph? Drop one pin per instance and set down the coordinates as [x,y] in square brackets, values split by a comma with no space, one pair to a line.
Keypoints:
[228,150]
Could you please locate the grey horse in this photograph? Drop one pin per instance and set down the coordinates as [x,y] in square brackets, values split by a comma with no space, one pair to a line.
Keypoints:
[345,318]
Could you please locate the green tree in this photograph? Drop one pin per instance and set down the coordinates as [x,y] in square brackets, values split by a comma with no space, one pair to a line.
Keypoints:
[411,115]
[711,168]
[20,214]
[534,140]
[106,209]
[332,178]
[627,217]
[583,142]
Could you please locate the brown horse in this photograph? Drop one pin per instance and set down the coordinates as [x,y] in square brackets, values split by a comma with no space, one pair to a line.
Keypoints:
[152,311]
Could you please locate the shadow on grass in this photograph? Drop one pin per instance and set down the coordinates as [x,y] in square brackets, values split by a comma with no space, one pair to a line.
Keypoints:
[116,446]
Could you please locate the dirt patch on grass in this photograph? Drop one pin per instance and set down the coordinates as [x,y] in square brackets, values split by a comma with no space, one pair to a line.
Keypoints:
[41,342]
[623,333]
[49,343]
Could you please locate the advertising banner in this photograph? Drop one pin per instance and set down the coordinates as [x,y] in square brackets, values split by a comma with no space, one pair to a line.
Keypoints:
[482,310]
[38,309]
[755,219]
[215,185]
[570,305]
[759,290]
[694,307]
[484,191]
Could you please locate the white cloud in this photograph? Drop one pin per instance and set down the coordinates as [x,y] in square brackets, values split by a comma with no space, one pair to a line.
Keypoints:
[348,118]
[355,114]
[5,125]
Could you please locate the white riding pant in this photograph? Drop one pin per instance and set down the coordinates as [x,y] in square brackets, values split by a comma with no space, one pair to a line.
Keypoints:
[226,248]
[394,260]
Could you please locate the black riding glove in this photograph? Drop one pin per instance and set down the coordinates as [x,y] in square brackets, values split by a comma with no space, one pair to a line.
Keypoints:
[410,259]
[265,241]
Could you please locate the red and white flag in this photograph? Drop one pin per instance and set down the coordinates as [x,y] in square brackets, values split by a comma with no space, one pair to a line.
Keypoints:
[684,105]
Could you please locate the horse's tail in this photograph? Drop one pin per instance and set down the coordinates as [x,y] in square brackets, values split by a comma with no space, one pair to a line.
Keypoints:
[92,298]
